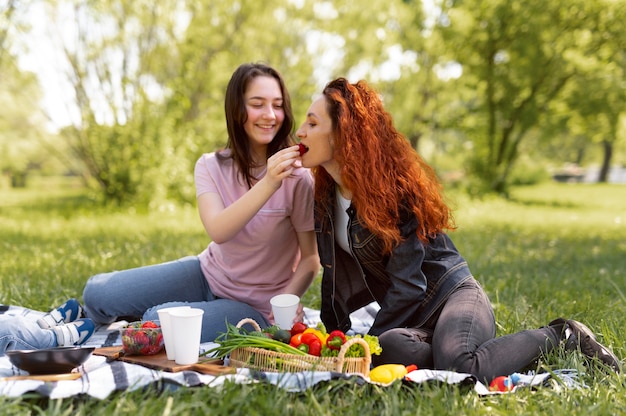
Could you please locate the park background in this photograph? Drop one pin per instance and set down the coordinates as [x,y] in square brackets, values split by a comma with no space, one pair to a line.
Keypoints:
[518,105]
[126,95]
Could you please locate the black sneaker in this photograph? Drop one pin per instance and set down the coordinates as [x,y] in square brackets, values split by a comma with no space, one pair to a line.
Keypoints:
[578,337]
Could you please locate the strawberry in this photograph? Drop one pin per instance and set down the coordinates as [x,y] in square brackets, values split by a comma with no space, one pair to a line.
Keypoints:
[302,149]
[147,350]
[149,324]
[142,338]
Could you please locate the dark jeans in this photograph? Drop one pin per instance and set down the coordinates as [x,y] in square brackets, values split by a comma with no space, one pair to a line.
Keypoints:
[462,338]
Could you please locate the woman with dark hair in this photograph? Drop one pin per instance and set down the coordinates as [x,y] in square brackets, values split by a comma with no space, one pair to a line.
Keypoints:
[381,224]
[256,205]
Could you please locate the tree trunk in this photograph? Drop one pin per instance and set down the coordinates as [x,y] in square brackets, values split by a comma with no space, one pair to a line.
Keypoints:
[607,146]
[18,179]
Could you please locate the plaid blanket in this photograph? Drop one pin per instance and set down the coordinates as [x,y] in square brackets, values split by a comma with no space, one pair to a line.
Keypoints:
[99,379]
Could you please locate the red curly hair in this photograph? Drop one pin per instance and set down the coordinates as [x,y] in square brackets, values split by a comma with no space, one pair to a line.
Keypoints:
[378,164]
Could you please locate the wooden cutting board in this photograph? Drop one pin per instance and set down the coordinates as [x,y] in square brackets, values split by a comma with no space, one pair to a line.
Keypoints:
[45,377]
[159,361]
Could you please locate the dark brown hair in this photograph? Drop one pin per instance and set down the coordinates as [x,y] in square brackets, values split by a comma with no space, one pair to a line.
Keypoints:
[236,116]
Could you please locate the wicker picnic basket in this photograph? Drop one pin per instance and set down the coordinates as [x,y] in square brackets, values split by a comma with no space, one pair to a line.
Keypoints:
[271,361]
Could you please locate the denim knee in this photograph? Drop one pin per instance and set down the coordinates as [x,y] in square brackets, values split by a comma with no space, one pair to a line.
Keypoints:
[94,299]
[405,346]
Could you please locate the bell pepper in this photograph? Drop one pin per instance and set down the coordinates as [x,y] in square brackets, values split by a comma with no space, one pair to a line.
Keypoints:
[319,334]
[313,342]
[386,373]
[296,340]
[335,339]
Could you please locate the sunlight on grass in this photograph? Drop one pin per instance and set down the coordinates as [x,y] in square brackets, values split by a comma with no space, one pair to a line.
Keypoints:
[551,250]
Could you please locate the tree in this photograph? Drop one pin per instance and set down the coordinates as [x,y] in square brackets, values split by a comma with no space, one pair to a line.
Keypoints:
[518,56]
[7,22]
[385,45]
[598,94]
[21,123]
[149,81]
[423,97]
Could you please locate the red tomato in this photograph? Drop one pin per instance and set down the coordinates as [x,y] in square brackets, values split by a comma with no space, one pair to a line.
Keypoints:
[298,328]
[296,340]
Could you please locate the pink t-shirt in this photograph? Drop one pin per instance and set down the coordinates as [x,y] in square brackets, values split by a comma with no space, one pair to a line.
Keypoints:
[258,262]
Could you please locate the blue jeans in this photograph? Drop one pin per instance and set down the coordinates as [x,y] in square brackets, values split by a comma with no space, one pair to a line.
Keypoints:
[461,337]
[140,292]
[18,333]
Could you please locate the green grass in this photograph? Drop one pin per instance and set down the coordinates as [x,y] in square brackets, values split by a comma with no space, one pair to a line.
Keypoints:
[552,250]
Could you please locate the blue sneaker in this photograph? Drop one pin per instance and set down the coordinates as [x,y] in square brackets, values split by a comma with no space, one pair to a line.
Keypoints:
[74,333]
[64,314]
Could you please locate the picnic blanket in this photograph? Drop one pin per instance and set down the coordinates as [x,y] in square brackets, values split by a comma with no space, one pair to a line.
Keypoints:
[100,378]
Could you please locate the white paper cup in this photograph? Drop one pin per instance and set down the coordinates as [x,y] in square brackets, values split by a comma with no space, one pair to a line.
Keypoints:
[186,328]
[166,330]
[284,308]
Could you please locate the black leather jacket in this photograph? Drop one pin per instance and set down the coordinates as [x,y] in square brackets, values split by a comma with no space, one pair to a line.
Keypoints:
[410,284]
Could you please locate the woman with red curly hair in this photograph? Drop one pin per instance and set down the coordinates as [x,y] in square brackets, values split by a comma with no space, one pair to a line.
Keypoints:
[381,223]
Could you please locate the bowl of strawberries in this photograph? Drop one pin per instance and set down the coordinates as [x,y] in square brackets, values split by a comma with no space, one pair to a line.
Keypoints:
[142,338]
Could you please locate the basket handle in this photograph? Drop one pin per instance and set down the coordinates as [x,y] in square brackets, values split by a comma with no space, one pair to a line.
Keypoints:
[250,321]
[344,349]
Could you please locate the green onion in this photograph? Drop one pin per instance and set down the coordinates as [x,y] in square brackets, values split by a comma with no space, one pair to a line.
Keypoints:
[235,338]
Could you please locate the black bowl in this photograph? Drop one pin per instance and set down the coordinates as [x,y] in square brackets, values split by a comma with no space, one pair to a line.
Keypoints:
[49,361]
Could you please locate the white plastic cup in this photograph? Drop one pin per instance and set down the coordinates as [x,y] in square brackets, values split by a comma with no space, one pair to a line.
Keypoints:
[285,307]
[186,328]
[166,330]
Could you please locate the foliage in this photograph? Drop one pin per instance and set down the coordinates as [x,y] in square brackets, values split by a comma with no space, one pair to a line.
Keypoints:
[477,87]
[519,56]
[21,124]
[551,250]
[149,80]
[20,129]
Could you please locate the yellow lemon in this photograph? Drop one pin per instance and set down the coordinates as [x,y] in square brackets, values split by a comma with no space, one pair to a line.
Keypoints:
[387,373]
